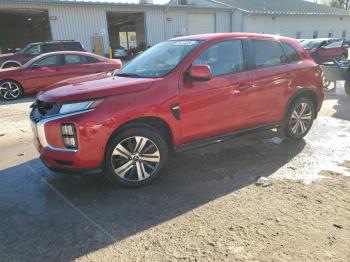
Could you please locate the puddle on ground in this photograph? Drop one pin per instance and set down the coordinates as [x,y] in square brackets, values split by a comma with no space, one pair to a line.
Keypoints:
[327,148]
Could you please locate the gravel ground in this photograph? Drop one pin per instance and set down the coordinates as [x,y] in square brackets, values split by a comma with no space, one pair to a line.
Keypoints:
[204,207]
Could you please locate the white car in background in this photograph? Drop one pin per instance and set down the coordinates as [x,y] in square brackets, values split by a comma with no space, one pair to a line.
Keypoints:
[120,53]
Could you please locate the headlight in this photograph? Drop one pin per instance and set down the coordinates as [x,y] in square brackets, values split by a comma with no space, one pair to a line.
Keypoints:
[79,106]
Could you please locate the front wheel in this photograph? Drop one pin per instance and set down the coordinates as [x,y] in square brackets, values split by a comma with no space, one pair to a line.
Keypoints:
[299,118]
[135,156]
[10,90]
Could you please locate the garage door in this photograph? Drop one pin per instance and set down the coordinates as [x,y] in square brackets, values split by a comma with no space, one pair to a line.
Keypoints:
[201,24]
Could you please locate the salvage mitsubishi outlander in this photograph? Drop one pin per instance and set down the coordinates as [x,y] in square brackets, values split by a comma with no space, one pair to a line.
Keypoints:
[180,94]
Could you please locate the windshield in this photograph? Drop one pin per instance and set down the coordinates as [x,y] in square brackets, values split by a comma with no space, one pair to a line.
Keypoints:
[311,44]
[159,60]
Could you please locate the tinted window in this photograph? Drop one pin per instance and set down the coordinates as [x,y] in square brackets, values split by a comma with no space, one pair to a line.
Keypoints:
[72,59]
[79,59]
[223,58]
[72,46]
[292,53]
[90,59]
[267,53]
[47,48]
[49,61]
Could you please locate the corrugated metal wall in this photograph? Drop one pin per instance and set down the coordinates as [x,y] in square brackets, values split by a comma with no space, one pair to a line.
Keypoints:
[175,23]
[155,30]
[223,22]
[289,25]
[79,22]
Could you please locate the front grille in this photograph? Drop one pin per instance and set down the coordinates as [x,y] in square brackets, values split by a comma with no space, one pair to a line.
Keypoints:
[41,109]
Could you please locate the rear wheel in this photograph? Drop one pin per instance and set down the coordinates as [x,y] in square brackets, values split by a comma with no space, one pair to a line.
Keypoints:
[136,156]
[10,90]
[299,118]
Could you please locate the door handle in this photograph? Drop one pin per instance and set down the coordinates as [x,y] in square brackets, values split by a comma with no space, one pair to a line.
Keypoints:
[240,87]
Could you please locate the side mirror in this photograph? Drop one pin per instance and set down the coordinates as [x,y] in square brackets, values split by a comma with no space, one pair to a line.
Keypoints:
[200,73]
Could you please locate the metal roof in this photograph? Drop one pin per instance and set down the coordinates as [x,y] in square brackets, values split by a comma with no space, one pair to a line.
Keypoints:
[283,7]
[255,7]
[126,3]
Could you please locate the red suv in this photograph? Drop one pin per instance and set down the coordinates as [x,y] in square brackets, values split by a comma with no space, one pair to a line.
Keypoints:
[180,94]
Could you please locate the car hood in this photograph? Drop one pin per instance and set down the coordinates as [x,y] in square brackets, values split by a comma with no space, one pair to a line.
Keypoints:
[93,86]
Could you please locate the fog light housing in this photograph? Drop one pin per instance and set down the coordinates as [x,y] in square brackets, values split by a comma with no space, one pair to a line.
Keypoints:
[69,136]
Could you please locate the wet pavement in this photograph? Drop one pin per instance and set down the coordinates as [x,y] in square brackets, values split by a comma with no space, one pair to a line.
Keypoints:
[53,217]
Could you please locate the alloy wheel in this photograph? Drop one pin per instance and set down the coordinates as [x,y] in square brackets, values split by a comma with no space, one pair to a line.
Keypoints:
[301,119]
[135,159]
[9,90]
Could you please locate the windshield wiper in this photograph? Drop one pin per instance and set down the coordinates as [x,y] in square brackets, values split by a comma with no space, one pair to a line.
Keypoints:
[127,75]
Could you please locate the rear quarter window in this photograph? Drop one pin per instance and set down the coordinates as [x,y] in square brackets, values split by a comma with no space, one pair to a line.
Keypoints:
[90,60]
[292,53]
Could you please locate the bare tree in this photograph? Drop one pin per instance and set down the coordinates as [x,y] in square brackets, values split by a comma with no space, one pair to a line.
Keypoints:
[345,4]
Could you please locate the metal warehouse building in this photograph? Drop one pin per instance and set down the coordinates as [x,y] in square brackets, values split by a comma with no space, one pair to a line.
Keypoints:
[98,25]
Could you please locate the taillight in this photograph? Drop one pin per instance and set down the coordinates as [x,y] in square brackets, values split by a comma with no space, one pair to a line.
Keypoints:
[69,137]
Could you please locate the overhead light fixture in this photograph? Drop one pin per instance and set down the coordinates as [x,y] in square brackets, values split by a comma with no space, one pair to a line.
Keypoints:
[29,19]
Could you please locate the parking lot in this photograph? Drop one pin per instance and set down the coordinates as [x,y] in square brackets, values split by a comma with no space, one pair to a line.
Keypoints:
[205,206]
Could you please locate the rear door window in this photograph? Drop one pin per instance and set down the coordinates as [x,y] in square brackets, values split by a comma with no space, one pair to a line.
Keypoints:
[72,59]
[225,57]
[267,53]
[79,59]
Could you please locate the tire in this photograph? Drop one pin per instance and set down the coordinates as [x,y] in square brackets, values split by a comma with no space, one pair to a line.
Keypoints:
[10,64]
[299,118]
[10,90]
[347,88]
[135,156]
